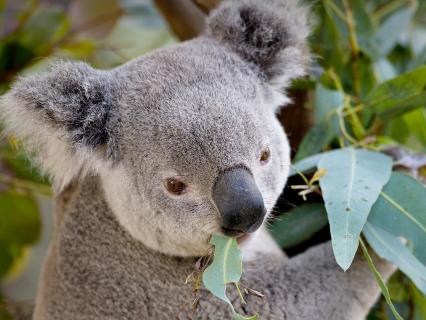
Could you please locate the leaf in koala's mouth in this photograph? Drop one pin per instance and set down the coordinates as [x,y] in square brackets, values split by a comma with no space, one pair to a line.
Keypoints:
[227,267]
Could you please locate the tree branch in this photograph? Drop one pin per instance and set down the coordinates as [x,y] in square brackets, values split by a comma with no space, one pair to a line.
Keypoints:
[183,16]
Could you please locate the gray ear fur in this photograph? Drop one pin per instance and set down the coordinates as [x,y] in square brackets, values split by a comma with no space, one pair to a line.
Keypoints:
[64,115]
[269,34]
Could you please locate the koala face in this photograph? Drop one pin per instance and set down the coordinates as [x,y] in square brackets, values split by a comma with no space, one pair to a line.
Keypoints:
[202,152]
[184,140]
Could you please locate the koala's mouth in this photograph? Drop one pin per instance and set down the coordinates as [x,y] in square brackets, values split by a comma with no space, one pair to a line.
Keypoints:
[240,236]
[243,238]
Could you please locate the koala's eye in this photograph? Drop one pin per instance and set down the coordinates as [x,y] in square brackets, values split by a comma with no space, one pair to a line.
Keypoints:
[174,186]
[265,156]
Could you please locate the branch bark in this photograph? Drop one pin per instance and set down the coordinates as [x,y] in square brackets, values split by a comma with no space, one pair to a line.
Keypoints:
[206,5]
[184,17]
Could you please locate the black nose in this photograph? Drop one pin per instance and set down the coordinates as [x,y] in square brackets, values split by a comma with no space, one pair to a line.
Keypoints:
[239,201]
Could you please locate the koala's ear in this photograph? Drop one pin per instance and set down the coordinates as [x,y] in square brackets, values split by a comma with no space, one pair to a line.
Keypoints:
[269,34]
[64,115]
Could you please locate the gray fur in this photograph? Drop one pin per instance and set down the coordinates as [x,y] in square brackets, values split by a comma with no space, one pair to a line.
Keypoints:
[123,245]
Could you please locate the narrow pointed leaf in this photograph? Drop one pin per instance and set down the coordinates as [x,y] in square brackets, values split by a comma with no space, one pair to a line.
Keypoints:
[351,185]
[399,95]
[391,248]
[401,210]
[225,268]
[298,225]
[306,164]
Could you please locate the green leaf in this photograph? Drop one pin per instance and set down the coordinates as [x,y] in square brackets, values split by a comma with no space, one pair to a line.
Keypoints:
[400,210]
[314,141]
[384,69]
[225,268]
[416,122]
[307,164]
[351,185]
[390,248]
[327,101]
[380,281]
[43,28]
[420,303]
[399,95]
[19,219]
[304,165]
[363,25]
[328,42]
[18,162]
[300,224]
[6,258]
[390,31]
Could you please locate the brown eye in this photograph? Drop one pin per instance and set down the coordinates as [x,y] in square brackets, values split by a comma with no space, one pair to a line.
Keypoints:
[175,186]
[265,156]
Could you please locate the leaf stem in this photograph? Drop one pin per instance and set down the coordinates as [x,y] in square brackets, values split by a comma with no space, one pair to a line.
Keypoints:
[390,7]
[342,127]
[240,293]
[379,279]
[335,9]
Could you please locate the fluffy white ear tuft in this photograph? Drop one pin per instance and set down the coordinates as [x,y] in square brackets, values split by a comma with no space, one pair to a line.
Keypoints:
[63,117]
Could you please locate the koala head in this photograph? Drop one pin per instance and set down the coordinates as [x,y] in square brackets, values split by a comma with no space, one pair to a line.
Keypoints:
[184,140]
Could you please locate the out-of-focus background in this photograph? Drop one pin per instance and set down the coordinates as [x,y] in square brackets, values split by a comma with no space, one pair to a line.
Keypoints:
[107,33]
[104,33]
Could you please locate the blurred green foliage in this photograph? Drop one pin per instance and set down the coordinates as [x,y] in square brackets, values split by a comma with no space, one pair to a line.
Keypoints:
[359,45]
[105,33]
[366,90]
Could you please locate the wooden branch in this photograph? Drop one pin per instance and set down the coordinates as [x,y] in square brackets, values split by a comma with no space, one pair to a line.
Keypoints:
[206,5]
[409,162]
[184,17]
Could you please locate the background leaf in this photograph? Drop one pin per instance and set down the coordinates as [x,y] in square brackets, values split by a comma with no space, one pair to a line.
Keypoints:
[299,224]
[399,95]
[400,210]
[390,248]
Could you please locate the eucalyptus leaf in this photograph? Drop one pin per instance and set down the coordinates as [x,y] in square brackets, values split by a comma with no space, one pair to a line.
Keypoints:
[399,95]
[391,30]
[314,141]
[43,28]
[384,69]
[416,122]
[400,210]
[225,268]
[327,101]
[299,224]
[391,248]
[20,220]
[351,185]
[306,164]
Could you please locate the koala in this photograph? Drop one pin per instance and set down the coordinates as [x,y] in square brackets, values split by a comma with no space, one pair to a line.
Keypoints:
[151,158]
